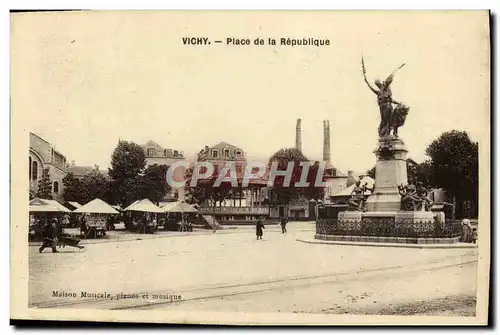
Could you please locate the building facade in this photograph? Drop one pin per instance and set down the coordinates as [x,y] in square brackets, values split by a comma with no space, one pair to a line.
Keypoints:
[243,204]
[42,155]
[157,155]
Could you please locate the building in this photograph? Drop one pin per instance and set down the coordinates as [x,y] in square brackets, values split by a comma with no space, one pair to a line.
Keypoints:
[156,154]
[243,204]
[79,171]
[43,155]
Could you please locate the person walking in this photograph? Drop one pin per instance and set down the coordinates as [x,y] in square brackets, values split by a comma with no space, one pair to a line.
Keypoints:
[49,236]
[258,227]
[284,221]
[466,231]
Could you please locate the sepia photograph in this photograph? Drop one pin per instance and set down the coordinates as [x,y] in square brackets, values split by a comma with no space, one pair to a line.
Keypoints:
[250,167]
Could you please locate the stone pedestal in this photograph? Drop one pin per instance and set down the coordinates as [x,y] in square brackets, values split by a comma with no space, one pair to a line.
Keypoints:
[390,171]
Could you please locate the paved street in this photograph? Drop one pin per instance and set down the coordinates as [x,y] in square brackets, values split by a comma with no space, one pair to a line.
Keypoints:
[232,271]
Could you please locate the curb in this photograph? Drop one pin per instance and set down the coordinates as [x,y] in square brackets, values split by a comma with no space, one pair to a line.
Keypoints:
[394,245]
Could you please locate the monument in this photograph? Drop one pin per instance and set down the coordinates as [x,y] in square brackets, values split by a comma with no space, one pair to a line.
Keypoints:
[394,208]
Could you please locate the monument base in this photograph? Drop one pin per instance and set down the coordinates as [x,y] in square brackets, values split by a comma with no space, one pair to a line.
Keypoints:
[388,227]
[390,172]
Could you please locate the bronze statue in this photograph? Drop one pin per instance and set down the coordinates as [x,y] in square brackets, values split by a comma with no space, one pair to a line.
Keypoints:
[358,198]
[425,202]
[413,198]
[388,119]
[409,198]
[398,118]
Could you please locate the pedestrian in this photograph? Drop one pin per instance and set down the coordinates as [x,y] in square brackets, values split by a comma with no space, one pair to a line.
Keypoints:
[474,235]
[65,222]
[466,231]
[83,226]
[284,221]
[58,227]
[258,227]
[49,237]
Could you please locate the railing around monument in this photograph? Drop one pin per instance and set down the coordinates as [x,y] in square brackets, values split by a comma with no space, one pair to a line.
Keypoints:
[387,228]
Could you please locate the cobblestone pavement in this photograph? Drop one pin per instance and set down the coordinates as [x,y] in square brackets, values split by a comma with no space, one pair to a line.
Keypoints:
[232,271]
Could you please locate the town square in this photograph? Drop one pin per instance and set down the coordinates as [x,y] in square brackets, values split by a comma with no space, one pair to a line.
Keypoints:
[341,178]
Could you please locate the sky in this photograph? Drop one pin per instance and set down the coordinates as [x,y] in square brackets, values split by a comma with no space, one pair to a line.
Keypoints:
[85,80]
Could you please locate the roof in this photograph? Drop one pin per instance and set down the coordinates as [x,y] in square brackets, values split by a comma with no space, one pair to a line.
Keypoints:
[45,205]
[169,205]
[74,204]
[80,170]
[225,145]
[96,206]
[144,205]
[347,192]
[179,207]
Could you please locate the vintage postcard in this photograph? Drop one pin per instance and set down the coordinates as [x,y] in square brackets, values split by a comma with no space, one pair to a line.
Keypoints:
[251,167]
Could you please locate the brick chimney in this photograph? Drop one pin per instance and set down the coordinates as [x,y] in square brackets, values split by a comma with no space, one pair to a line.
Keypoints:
[298,135]
[326,141]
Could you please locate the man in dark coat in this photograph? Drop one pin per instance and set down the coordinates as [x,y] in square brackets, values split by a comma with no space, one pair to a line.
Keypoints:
[259,226]
[49,234]
[284,221]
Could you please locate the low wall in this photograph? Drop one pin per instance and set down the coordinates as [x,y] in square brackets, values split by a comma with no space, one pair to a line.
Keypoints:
[450,229]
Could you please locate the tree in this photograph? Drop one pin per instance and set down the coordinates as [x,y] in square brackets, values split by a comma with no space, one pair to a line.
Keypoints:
[371,173]
[45,186]
[454,161]
[420,173]
[94,185]
[152,185]
[205,191]
[284,194]
[314,192]
[127,165]
[73,189]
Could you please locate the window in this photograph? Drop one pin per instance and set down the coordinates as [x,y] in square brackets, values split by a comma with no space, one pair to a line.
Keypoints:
[165,152]
[214,153]
[226,152]
[151,152]
[34,171]
[238,154]
[56,187]
[176,153]
[30,168]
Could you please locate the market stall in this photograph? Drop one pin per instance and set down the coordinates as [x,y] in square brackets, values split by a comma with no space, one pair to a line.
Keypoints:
[179,212]
[142,216]
[42,211]
[95,216]
[73,218]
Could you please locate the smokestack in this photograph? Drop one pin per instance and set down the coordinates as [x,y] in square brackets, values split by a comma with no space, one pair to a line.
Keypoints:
[326,141]
[298,135]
